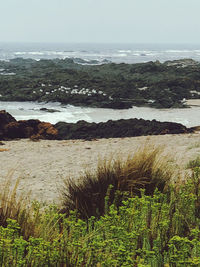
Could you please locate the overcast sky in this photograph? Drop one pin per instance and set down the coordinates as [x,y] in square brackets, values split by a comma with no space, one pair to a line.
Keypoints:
[104,21]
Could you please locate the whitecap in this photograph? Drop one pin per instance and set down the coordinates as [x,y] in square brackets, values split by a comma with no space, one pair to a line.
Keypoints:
[20,53]
[124,51]
[177,51]
[36,53]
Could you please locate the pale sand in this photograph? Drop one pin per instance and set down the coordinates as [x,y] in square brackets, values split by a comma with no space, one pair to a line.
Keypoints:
[42,165]
[193,102]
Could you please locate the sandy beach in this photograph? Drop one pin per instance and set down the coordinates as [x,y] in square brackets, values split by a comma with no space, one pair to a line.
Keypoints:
[42,165]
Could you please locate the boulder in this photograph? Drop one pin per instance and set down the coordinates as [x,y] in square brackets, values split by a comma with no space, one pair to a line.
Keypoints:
[12,129]
[5,118]
[49,110]
[47,131]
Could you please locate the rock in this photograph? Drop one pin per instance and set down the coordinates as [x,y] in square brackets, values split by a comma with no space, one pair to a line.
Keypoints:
[5,118]
[117,105]
[12,129]
[17,130]
[120,128]
[49,110]
[55,80]
[35,129]
[195,128]
[47,131]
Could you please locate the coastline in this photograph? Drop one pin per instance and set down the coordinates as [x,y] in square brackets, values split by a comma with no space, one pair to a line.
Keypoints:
[30,110]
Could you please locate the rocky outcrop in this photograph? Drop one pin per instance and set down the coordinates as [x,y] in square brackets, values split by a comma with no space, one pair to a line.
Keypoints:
[117,86]
[120,128]
[34,129]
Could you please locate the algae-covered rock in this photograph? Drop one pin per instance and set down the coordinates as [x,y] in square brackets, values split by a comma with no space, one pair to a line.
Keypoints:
[119,128]
[118,86]
[35,129]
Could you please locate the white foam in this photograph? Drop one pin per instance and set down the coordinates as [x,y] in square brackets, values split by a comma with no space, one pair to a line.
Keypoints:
[20,53]
[177,51]
[36,53]
[69,113]
[124,51]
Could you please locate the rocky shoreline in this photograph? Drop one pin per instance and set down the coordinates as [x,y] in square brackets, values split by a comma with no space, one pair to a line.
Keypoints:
[11,129]
[109,85]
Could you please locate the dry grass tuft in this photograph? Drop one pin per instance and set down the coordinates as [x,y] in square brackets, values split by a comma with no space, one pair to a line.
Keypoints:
[192,164]
[30,216]
[17,207]
[145,169]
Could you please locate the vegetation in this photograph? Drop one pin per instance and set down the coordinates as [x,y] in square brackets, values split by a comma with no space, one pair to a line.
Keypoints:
[149,227]
[194,163]
[143,170]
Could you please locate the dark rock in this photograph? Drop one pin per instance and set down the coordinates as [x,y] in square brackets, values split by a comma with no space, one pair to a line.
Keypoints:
[120,128]
[12,129]
[35,129]
[117,105]
[49,110]
[18,130]
[5,118]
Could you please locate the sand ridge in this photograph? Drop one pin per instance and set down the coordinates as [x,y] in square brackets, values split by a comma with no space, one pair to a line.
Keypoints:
[42,165]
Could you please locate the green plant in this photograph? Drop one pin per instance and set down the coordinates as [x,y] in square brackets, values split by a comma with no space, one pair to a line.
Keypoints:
[194,163]
[145,169]
[160,228]
[32,221]
[145,230]
[13,206]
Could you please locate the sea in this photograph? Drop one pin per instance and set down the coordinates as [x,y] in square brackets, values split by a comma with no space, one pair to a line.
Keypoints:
[117,53]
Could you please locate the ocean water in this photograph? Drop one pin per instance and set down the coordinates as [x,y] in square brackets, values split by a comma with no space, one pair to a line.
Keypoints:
[127,53]
[68,113]
[118,53]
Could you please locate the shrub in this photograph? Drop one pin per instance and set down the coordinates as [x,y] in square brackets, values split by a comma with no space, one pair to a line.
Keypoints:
[145,169]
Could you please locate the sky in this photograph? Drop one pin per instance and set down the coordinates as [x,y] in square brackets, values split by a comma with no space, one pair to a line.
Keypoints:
[100,21]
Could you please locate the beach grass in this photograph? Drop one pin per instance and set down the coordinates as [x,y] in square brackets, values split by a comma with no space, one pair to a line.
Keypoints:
[145,169]
[193,163]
